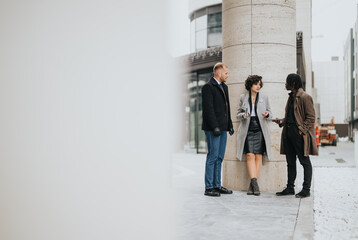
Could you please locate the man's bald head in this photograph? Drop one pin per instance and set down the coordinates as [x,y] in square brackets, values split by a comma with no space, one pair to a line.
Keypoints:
[221,72]
[219,66]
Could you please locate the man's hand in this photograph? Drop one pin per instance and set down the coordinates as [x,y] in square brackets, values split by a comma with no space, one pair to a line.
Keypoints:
[279,122]
[231,131]
[217,132]
[300,132]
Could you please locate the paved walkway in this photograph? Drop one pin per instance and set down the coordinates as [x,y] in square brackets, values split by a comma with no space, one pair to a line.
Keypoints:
[236,216]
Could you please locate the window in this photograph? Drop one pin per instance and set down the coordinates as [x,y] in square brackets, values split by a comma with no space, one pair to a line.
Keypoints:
[206,28]
[195,136]
[201,40]
[214,30]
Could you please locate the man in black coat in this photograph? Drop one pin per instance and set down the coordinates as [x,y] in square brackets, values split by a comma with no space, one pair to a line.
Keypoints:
[216,123]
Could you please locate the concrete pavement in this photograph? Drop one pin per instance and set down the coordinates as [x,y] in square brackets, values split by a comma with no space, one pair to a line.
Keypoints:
[236,216]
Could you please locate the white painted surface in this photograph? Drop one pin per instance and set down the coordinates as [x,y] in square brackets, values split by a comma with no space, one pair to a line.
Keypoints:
[347,76]
[84,143]
[329,81]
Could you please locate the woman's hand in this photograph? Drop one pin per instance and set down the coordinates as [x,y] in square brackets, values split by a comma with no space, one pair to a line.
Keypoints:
[245,115]
[265,114]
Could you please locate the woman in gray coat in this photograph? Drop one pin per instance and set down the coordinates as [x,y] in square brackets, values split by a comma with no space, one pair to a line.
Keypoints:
[253,138]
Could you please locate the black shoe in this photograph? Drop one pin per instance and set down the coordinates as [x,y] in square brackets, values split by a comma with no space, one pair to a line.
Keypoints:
[255,187]
[223,190]
[212,192]
[286,191]
[303,194]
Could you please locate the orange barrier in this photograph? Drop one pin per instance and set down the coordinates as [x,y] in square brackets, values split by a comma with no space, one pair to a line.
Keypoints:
[317,135]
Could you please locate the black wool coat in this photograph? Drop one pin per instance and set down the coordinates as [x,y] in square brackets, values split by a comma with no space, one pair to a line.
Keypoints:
[216,106]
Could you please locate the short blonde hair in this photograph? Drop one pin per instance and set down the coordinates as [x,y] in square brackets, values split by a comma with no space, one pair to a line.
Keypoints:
[219,65]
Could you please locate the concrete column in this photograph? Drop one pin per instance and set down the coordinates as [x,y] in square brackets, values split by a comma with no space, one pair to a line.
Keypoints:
[259,37]
[356,148]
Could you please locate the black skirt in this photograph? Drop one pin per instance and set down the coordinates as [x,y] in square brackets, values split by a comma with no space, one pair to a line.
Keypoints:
[255,142]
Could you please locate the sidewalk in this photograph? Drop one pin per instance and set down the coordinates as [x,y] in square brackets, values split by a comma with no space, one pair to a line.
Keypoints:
[236,216]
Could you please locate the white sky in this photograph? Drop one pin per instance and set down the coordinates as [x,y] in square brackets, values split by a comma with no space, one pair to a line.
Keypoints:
[331,21]
[179,28]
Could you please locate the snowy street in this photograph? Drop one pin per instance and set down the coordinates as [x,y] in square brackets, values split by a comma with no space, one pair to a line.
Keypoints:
[335,193]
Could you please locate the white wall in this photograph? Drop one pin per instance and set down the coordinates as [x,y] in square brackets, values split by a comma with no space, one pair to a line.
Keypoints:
[329,81]
[347,75]
[86,114]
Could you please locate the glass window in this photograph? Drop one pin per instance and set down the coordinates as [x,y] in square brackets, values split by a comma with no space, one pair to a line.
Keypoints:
[201,23]
[192,36]
[202,146]
[214,20]
[214,37]
[192,123]
[201,40]
[193,109]
[214,29]
[204,77]
[206,28]
[191,118]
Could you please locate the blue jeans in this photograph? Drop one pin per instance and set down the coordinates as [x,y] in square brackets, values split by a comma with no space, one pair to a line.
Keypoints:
[214,158]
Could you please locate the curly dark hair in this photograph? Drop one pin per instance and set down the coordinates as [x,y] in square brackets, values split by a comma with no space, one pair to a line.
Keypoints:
[251,80]
[294,80]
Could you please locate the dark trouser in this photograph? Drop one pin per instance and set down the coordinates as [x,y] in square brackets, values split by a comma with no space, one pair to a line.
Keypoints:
[293,143]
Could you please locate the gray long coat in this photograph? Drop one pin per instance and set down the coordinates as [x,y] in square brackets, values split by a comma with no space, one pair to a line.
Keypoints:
[263,106]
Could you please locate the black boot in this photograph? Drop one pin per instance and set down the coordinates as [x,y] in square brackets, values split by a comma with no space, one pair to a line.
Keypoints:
[255,187]
[286,191]
[250,191]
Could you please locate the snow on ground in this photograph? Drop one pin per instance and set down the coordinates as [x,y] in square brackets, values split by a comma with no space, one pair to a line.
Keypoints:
[343,139]
[335,194]
[336,203]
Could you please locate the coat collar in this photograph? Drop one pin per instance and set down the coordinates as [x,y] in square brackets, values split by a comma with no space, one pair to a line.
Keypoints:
[247,95]
[214,82]
[299,92]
